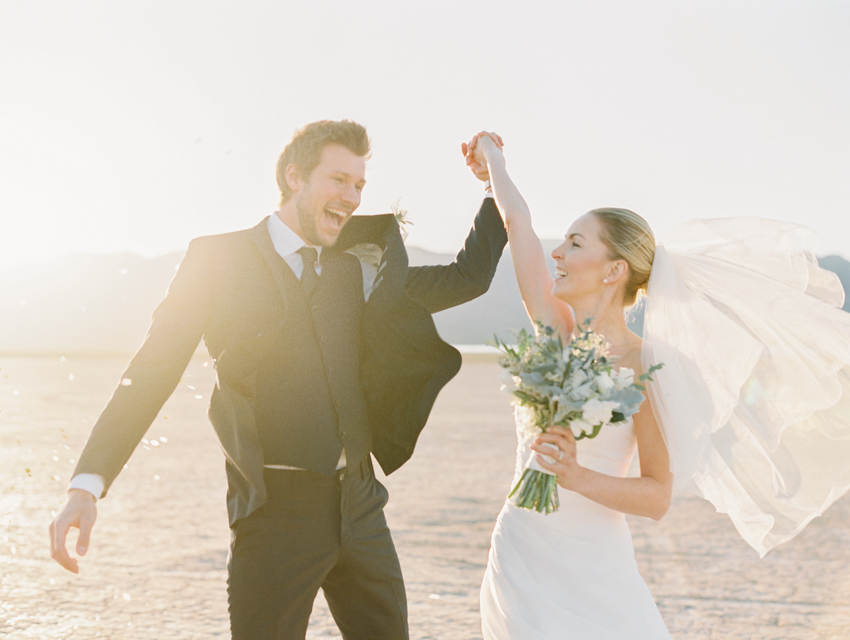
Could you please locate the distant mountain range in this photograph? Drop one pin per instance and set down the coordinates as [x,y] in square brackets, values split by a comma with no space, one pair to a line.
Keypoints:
[100,304]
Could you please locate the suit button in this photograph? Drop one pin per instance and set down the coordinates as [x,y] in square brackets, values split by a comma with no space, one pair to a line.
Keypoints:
[315,307]
[323,339]
[330,369]
[338,403]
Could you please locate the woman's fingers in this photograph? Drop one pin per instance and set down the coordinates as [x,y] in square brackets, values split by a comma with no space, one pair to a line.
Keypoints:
[564,440]
[562,431]
[555,451]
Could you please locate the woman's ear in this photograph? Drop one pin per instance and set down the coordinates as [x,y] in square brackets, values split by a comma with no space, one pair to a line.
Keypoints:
[618,270]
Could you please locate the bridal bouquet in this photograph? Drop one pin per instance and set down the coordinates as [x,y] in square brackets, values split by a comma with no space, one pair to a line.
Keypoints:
[573,387]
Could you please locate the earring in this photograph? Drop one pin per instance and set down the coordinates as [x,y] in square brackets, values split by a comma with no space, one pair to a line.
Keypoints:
[605,280]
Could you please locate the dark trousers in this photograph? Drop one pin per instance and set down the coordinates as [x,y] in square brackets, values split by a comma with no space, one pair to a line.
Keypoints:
[317,531]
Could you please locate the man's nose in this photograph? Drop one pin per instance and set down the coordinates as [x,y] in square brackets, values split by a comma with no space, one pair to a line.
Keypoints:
[351,196]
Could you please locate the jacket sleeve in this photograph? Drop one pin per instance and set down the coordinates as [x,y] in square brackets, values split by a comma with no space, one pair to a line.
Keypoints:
[176,329]
[440,287]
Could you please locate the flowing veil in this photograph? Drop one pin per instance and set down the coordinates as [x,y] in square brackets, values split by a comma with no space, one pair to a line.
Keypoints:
[754,397]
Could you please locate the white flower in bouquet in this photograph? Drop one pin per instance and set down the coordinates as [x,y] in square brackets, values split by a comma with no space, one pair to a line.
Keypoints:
[604,382]
[596,411]
[579,427]
[574,387]
[625,378]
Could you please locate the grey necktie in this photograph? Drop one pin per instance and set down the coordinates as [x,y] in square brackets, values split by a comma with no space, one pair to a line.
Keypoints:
[309,277]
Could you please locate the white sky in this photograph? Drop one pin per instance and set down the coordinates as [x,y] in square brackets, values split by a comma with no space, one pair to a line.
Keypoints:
[136,126]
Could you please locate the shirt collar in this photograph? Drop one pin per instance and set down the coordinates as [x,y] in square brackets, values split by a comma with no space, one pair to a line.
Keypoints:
[285,240]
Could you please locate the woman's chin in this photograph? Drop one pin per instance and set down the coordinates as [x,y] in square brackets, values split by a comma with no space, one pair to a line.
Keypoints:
[561,290]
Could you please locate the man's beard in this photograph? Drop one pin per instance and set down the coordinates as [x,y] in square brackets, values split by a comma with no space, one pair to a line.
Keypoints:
[307,222]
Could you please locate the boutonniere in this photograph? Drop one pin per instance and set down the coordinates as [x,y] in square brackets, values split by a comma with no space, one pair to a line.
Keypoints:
[370,253]
[400,217]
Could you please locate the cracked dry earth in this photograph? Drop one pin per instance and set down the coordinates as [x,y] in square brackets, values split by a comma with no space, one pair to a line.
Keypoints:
[155,568]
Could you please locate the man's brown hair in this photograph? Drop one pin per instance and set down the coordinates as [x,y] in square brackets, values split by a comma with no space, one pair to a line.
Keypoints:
[305,149]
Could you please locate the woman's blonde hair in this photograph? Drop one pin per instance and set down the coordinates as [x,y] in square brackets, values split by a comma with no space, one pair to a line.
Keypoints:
[629,238]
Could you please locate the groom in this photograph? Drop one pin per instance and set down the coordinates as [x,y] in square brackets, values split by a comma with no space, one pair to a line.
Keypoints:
[325,352]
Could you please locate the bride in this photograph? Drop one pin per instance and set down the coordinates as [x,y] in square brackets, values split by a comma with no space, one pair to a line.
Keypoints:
[751,409]
[572,574]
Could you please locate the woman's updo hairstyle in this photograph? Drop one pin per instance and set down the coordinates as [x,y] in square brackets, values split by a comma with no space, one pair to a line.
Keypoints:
[629,238]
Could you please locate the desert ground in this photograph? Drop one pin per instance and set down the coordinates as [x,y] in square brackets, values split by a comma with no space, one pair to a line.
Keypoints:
[156,564]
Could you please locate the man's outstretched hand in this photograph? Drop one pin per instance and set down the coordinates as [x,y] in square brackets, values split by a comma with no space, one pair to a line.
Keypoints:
[80,511]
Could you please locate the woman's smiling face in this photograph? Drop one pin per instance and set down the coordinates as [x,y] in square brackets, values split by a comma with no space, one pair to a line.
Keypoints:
[582,261]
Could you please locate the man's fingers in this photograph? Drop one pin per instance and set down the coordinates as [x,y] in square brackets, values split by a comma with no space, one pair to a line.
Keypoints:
[79,512]
[495,138]
[58,533]
[86,525]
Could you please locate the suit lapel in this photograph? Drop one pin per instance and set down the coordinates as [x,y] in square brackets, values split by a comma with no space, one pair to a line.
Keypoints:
[277,265]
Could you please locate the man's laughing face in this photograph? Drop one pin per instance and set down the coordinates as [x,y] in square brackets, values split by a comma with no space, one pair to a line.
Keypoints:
[327,198]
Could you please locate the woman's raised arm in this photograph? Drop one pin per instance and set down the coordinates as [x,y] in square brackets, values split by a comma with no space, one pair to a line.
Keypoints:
[533,276]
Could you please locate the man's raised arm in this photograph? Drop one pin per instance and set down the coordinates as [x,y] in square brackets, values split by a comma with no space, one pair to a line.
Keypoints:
[440,287]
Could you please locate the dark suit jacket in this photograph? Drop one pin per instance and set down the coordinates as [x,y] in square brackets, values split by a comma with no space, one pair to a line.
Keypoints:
[229,290]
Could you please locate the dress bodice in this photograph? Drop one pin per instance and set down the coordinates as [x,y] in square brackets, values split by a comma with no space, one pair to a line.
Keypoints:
[610,452]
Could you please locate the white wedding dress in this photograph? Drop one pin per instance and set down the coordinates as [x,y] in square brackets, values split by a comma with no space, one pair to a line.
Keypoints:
[569,575]
[753,402]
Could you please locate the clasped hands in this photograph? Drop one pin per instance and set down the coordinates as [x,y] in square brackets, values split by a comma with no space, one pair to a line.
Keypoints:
[474,153]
